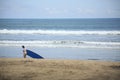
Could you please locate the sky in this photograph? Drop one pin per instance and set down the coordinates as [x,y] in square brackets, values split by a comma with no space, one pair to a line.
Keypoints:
[59,9]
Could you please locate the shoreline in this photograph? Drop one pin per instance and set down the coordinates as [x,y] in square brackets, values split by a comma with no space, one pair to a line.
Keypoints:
[63,53]
[55,69]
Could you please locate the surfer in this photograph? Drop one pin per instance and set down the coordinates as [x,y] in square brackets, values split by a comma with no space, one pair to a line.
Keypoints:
[24,51]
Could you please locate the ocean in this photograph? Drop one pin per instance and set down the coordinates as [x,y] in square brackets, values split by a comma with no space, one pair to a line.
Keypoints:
[91,39]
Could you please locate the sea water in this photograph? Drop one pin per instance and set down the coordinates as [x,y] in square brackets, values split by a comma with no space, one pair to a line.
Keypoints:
[97,39]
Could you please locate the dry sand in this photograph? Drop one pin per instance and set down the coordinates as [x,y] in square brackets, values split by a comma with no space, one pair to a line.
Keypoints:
[44,69]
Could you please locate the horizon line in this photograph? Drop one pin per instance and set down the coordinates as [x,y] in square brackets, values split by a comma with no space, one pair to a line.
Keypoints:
[60,18]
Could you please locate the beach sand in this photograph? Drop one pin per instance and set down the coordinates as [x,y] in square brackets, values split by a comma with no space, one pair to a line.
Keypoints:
[45,69]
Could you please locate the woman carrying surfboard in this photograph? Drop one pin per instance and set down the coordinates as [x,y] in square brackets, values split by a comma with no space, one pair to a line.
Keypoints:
[24,51]
[31,53]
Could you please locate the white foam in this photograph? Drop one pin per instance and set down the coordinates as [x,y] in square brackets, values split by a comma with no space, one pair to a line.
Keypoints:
[59,32]
[65,43]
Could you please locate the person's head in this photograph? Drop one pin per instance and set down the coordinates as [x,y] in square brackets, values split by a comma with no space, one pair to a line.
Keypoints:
[23,46]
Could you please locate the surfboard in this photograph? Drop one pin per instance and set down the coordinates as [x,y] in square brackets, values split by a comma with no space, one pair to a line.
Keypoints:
[33,54]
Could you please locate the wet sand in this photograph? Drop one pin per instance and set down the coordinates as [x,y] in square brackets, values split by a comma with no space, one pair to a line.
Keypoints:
[45,69]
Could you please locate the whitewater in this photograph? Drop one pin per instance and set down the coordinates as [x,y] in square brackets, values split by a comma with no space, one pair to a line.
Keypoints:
[64,44]
[19,40]
[59,32]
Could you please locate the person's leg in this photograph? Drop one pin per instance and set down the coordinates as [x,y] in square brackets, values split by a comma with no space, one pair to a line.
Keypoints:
[24,55]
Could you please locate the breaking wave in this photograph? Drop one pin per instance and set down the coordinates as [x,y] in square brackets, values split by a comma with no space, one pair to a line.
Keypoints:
[64,43]
[59,32]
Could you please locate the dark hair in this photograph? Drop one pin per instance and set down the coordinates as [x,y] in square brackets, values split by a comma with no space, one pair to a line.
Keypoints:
[23,46]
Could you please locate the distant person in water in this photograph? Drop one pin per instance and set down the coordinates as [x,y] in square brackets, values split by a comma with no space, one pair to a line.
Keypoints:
[24,51]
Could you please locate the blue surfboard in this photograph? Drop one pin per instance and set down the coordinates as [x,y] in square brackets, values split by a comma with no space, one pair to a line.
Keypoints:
[33,54]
